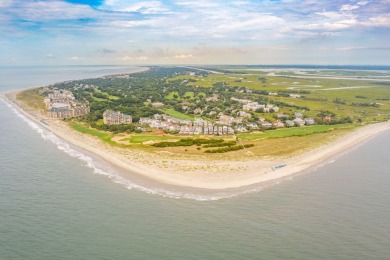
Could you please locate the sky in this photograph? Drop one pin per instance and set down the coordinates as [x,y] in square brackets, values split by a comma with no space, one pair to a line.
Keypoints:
[78,32]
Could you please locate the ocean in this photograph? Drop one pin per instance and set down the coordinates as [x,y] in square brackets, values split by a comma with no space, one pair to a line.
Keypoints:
[57,202]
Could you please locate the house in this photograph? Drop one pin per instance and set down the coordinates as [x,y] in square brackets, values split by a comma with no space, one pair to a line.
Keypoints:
[253,126]
[289,123]
[298,115]
[278,124]
[198,121]
[157,104]
[309,121]
[299,121]
[244,114]
[241,128]
[266,124]
[198,111]
[327,119]
[214,97]
[253,106]
[283,116]
[225,119]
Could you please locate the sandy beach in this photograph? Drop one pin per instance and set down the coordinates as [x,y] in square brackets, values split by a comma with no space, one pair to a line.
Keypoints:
[200,172]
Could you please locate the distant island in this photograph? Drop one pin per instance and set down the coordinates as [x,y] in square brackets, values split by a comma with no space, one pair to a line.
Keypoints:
[215,127]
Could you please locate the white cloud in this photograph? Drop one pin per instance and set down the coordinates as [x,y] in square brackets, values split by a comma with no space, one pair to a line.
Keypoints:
[184,56]
[50,10]
[142,58]
[362,48]
[362,2]
[76,58]
[155,22]
[197,4]
[144,7]
[348,7]
[130,58]
[5,3]
[378,21]
[331,15]
[329,26]
[256,21]
[340,25]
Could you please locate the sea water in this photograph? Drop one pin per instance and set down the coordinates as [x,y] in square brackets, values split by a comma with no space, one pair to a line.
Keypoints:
[57,202]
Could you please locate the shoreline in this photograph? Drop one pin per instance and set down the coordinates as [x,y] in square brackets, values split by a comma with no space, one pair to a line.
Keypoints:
[222,175]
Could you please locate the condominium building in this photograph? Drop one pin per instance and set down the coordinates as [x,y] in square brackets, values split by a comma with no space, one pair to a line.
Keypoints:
[111,117]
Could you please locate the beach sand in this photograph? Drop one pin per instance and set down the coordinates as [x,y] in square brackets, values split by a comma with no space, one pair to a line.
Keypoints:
[200,172]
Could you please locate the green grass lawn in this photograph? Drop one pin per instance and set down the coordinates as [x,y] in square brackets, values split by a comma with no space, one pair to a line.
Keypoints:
[202,94]
[98,99]
[189,94]
[140,138]
[105,136]
[171,95]
[108,96]
[293,131]
[176,114]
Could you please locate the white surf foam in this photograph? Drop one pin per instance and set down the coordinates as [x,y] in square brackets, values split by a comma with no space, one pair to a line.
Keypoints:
[111,173]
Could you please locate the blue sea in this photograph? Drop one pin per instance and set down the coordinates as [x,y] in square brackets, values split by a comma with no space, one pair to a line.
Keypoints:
[57,202]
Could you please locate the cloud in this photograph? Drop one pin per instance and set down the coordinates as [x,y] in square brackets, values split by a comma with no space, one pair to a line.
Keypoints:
[316,36]
[184,56]
[162,29]
[142,58]
[50,56]
[130,58]
[378,21]
[251,22]
[340,25]
[107,51]
[332,15]
[49,10]
[332,26]
[348,7]
[363,2]
[76,58]
[144,7]
[5,3]
[197,4]
[136,23]
[363,48]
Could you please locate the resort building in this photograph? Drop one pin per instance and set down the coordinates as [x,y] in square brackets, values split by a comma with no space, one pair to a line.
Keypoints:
[66,112]
[62,104]
[111,117]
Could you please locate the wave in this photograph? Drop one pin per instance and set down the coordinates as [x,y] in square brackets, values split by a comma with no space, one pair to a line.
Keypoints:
[112,174]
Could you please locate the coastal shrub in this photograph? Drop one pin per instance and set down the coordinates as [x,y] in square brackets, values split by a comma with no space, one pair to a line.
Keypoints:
[230,143]
[229,148]
[188,142]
